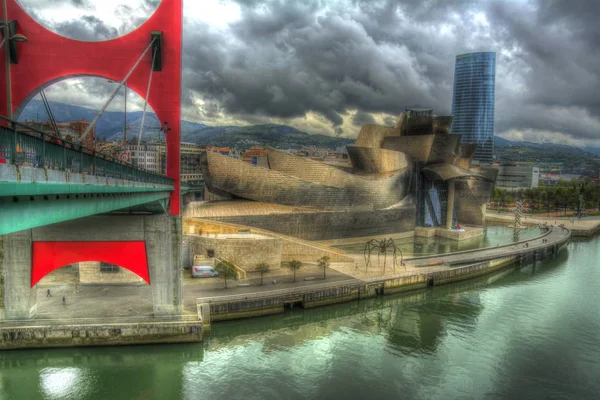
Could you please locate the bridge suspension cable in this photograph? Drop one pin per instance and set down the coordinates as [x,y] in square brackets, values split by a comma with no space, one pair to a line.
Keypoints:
[49,112]
[146,99]
[114,94]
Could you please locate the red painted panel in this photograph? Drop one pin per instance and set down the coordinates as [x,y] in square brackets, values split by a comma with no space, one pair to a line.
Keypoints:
[48,256]
[48,57]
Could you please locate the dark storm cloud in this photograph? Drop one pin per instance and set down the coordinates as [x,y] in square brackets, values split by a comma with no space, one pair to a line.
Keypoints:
[284,59]
[556,46]
[87,27]
[389,121]
[287,58]
[362,118]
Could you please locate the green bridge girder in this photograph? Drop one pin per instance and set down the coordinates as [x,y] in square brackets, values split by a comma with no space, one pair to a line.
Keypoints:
[26,212]
[36,189]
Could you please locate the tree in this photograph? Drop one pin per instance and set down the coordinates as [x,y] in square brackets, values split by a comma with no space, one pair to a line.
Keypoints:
[226,271]
[323,262]
[262,268]
[294,265]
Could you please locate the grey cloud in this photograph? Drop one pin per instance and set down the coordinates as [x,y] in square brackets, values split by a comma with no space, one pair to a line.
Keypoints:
[362,118]
[88,28]
[389,121]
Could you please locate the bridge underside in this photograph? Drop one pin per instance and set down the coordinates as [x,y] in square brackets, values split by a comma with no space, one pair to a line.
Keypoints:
[159,234]
[33,197]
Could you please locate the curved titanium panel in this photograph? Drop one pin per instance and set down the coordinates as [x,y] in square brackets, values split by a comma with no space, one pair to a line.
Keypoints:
[416,147]
[366,159]
[449,171]
[467,151]
[444,149]
[442,124]
[400,125]
[372,135]
[419,125]
[261,184]
[471,199]
[307,169]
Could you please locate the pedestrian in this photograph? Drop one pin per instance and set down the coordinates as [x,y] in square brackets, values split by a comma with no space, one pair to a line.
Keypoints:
[48,293]
[64,300]
[76,287]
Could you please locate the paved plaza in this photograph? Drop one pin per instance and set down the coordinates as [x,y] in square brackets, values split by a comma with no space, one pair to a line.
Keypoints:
[135,300]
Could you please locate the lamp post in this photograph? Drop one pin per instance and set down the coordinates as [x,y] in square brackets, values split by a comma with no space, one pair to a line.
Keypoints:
[6,43]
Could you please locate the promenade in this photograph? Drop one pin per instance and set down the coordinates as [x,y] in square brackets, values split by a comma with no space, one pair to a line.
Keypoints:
[585,227]
[133,301]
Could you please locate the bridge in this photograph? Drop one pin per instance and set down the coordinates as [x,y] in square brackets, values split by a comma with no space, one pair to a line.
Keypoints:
[62,202]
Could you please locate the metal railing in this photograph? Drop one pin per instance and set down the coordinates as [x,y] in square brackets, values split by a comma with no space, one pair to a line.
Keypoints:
[23,145]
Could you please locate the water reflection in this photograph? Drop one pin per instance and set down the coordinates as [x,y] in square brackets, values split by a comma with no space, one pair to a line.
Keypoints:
[412,320]
[140,372]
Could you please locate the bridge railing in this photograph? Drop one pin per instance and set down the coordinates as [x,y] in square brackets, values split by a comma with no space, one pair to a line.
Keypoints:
[27,146]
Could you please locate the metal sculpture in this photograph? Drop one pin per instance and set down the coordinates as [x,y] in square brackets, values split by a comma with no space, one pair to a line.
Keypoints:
[382,247]
[517,224]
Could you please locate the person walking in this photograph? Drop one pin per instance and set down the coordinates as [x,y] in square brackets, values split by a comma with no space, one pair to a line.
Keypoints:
[64,300]
[48,293]
[76,287]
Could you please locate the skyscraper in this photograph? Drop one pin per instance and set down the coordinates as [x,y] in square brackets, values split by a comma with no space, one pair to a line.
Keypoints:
[473,101]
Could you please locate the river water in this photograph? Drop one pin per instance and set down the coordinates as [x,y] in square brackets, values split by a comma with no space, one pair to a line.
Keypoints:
[526,333]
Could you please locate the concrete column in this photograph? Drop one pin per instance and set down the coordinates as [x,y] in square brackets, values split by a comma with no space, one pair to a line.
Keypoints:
[450,209]
[19,298]
[162,234]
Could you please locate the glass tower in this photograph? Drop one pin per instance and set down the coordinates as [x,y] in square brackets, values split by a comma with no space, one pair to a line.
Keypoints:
[473,102]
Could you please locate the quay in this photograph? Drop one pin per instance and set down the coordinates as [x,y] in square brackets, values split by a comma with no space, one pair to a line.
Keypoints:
[419,273]
[98,332]
[578,227]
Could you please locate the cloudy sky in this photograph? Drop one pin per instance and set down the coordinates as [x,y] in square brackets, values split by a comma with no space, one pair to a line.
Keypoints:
[329,66]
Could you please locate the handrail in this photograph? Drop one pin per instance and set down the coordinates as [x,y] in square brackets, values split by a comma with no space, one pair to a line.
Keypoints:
[84,153]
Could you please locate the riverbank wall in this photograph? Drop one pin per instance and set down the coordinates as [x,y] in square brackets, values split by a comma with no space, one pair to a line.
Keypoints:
[240,306]
[43,334]
[578,228]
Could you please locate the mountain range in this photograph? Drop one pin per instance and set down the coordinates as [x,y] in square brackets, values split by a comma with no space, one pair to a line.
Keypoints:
[110,127]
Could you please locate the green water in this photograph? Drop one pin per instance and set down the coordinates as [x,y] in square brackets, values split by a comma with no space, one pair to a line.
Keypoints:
[527,333]
[494,235]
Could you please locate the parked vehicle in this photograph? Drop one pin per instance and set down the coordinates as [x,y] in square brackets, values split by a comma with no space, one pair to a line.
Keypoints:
[201,271]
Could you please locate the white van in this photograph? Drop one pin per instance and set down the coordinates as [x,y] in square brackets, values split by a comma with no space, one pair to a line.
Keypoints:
[203,271]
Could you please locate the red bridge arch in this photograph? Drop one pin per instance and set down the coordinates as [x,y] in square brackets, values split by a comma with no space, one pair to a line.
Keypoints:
[49,256]
[48,57]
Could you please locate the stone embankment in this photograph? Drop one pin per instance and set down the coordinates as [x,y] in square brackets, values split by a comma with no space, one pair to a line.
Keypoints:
[99,332]
[424,271]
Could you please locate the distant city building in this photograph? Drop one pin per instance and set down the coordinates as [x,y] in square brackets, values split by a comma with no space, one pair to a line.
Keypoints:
[515,178]
[153,157]
[473,102]
[145,156]
[256,156]
[70,131]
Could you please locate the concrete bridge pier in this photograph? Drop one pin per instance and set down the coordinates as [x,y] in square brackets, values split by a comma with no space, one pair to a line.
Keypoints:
[164,248]
[19,297]
[161,233]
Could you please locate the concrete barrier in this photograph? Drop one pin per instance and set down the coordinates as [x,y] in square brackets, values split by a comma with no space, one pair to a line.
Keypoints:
[68,334]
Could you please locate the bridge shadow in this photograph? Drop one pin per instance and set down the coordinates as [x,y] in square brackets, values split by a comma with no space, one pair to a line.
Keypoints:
[92,290]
